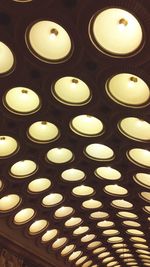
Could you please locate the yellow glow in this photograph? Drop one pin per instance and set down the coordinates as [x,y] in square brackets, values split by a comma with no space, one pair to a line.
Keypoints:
[115,190]
[59,242]
[75,255]
[24,216]
[52,199]
[63,212]
[91,204]
[74,221]
[37,227]
[99,152]
[68,249]
[39,185]
[81,260]
[24,168]
[6,59]
[59,155]
[83,190]
[107,173]
[99,215]
[105,224]
[143,179]
[8,146]
[72,175]
[140,156]
[49,235]
[9,202]
[80,230]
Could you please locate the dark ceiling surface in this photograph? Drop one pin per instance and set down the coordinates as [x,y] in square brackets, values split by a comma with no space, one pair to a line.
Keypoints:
[94,68]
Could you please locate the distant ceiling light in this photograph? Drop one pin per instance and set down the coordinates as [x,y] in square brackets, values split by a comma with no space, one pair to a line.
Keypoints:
[7,60]
[75,255]
[71,91]
[145,196]
[87,263]
[91,204]
[80,260]
[105,224]
[22,101]
[99,250]
[43,132]
[115,239]
[108,259]
[38,226]
[122,204]
[139,156]
[94,244]
[23,169]
[103,255]
[59,155]
[60,242]
[107,173]
[115,190]
[120,245]
[48,41]
[122,250]
[82,190]
[116,32]
[113,264]
[128,90]
[63,212]
[52,199]
[99,215]
[142,251]
[128,215]
[87,125]
[49,235]
[135,128]
[8,146]
[74,221]
[138,245]
[131,223]
[39,185]
[73,175]
[9,202]
[142,179]
[24,215]
[67,250]
[134,232]
[147,209]
[111,232]
[99,152]
[80,230]
[88,238]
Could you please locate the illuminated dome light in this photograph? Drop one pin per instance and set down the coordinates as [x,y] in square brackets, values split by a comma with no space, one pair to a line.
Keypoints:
[67,250]
[147,209]
[121,204]
[39,185]
[73,175]
[138,239]
[94,245]
[8,146]
[60,242]
[81,260]
[108,259]
[139,156]
[23,169]
[99,250]
[127,215]
[113,264]
[107,173]
[103,255]
[87,125]
[128,90]
[141,246]
[135,128]
[88,238]
[134,232]
[116,32]
[52,199]
[142,251]
[9,202]
[75,255]
[115,239]
[48,41]
[22,101]
[105,224]
[144,256]
[7,60]
[59,155]
[43,132]
[81,230]
[24,215]
[49,235]
[82,190]
[99,215]
[111,232]
[131,223]
[87,263]
[120,245]
[99,152]
[91,204]
[63,212]
[71,91]
[122,250]
[142,179]
[126,255]
[74,221]
[115,190]
[37,227]
[145,196]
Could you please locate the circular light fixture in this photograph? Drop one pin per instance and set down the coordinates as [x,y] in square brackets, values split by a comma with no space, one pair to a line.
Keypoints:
[59,155]
[108,259]
[111,232]
[88,238]
[99,250]
[60,242]
[7,60]
[103,255]
[22,101]
[39,185]
[91,204]
[147,209]
[9,202]
[113,264]
[74,221]
[71,91]
[128,215]
[23,168]
[122,250]
[139,156]
[99,215]
[8,146]
[115,239]
[38,226]
[121,204]
[67,250]
[123,245]
[80,230]
[52,199]
[116,32]
[49,235]
[115,190]
[135,128]
[94,244]
[75,255]
[134,232]
[128,90]
[83,190]
[99,152]
[87,263]
[142,251]
[105,224]
[48,41]
[142,179]
[80,260]
[73,175]
[131,223]
[24,216]
[107,173]
[43,132]
[87,125]
[145,196]
[138,245]
[63,212]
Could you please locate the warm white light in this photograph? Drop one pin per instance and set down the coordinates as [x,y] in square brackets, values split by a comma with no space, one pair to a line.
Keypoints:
[23,168]
[73,175]
[67,250]
[94,244]
[37,227]
[143,179]
[88,238]
[8,146]
[115,190]
[103,255]
[74,221]
[139,156]
[91,204]
[49,235]
[75,255]
[52,199]
[59,242]
[48,41]
[81,260]
[6,59]
[59,155]
[128,215]
[135,232]
[145,196]
[111,232]
[9,202]
[99,215]
[1,184]
[99,152]
[115,239]
[71,91]
[39,185]
[22,100]
[87,263]
[24,216]
[63,212]
[105,224]
[122,204]
[107,173]
[80,230]
[131,223]
[138,239]
[99,250]
[82,190]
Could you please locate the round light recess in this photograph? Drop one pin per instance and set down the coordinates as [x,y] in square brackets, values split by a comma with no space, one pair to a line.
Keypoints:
[80,230]
[111,232]
[141,246]
[75,255]
[131,223]
[87,263]
[63,212]
[80,260]
[8,146]
[52,199]
[87,125]
[91,204]
[116,32]
[128,90]
[145,196]
[99,215]
[9,202]
[139,157]
[147,209]
[48,41]
[103,255]
[23,169]
[142,179]
[121,204]
[73,175]
[107,173]
[94,244]
[59,155]
[74,221]
[82,190]
[108,259]
[127,215]
[24,216]
[138,239]
[105,224]
[49,235]
[22,101]
[60,242]
[71,91]
[115,190]
[37,227]
[99,250]
[99,152]
[67,250]
[43,132]
[7,60]
[88,238]
[39,185]
[115,239]
[22,1]
[134,232]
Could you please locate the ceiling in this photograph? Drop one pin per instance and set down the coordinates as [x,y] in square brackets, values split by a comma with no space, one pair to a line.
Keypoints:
[75,131]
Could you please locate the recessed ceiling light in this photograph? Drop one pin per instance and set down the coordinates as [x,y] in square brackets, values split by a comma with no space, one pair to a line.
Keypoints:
[71,91]
[39,185]
[81,260]
[23,168]
[67,250]
[111,232]
[7,60]
[105,224]
[116,32]
[59,155]
[138,239]
[8,146]
[99,215]
[63,212]
[94,244]
[82,190]
[38,226]
[99,250]
[131,223]
[80,230]
[108,259]
[107,173]
[24,215]
[88,238]
[114,239]
[120,245]
[75,255]
[113,264]
[147,209]
[142,179]
[128,90]
[52,199]
[122,250]
[60,242]
[22,1]
[138,245]
[121,204]
[74,221]
[145,196]
[91,204]
[49,235]
[139,156]
[99,152]
[48,41]
[87,263]
[73,175]
[115,190]
[128,215]
[9,202]
[103,255]
[87,125]
[134,232]
[142,251]
[22,101]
